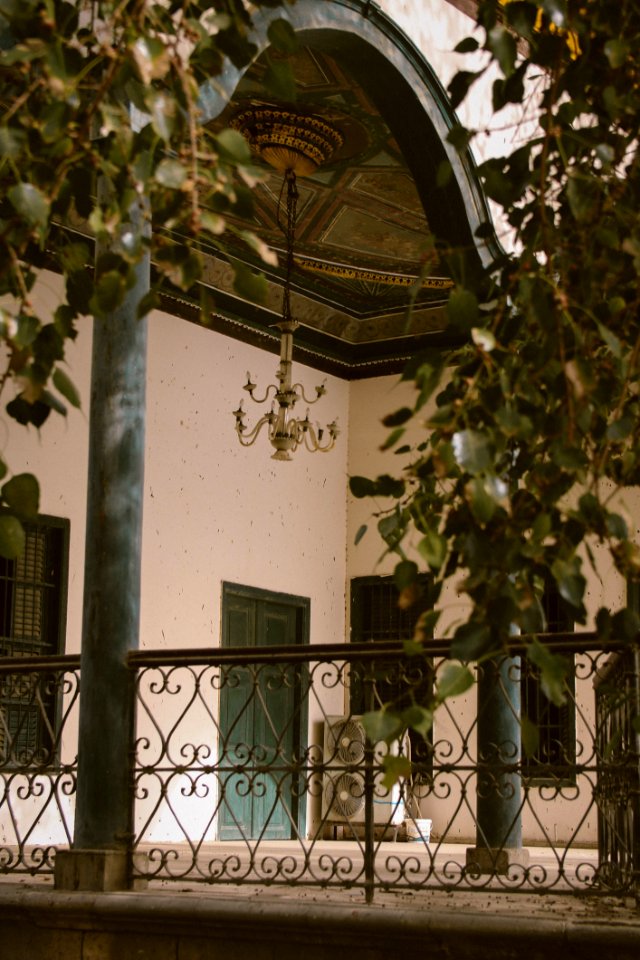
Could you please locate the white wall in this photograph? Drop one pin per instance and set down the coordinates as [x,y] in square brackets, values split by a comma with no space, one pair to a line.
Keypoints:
[216,511]
[213,510]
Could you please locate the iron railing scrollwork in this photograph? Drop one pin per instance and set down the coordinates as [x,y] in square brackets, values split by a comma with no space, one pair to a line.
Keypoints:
[38,761]
[251,766]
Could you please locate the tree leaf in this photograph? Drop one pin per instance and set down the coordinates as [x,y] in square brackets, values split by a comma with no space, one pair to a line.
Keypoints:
[398,418]
[472,450]
[393,438]
[22,494]
[381,726]
[461,84]
[462,308]
[64,384]
[471,641]
[151,58]
[571,584]
[502,44]
[391,530]
[280,81]
[250,285]
[108,294]
[483,506]
[12,537]
[433,549]
[362,487]
[418,718]
[233,146]
[530,736]
[163,111]
[556,10]
[283,37]
[362,529]
[395,768]
[173,174]
[616,52]
[583,195]
[553,671]
[27,330]
[453,680]
[30,203]
[405,574]
[483,338]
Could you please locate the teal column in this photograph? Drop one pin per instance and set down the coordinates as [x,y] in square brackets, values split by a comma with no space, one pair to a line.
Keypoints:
[111,617]
[499,791]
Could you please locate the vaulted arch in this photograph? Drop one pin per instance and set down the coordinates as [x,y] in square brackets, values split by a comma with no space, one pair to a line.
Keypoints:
[378,211]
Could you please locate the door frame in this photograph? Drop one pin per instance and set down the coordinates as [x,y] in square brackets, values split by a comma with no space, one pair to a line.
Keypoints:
[302,606]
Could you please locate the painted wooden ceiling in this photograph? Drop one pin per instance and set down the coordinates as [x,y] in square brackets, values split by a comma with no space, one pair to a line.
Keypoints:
[365,241]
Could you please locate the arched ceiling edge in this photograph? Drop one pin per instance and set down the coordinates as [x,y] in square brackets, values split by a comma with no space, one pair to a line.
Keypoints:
[345,335]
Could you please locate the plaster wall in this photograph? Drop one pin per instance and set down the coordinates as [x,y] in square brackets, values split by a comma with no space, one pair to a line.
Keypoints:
[213,511]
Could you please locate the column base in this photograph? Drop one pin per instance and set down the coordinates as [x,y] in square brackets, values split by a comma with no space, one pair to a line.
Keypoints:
[484,860]
[98,870]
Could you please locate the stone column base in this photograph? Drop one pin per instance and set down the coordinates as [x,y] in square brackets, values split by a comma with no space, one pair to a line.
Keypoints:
[490,860]
[100,870]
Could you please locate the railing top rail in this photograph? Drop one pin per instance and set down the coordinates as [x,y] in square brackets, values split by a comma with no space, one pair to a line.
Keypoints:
[582,642]
[68,661]
[346,652]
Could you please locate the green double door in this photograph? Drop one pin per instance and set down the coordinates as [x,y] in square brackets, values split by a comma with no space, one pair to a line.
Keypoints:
[262,718]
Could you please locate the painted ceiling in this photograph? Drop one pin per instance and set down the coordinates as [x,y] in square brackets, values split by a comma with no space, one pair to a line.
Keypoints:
[364,245]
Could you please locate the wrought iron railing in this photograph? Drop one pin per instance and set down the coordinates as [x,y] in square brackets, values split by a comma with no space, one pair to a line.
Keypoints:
[38,760]
[617,688]
[251,767]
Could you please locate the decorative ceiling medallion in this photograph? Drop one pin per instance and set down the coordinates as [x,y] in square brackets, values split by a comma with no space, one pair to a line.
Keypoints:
[287,140]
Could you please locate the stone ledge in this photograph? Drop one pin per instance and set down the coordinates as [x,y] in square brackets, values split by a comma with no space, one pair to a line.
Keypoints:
[155,925]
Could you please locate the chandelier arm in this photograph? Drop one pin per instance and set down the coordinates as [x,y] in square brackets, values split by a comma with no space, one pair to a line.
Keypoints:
[250,438]
[271,387]
[302,395]
[314,444]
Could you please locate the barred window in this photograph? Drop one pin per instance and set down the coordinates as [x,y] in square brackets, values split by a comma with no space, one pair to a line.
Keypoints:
[33,600]
[556,752]
[376,617]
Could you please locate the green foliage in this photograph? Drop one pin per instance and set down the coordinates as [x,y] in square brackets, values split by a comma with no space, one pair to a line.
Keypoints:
[100,107]
[534,425]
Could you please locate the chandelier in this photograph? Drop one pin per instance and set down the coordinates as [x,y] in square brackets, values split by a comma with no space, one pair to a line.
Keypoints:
[294,144]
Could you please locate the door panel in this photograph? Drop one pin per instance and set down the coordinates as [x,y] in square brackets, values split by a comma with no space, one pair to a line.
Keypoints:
[260,721]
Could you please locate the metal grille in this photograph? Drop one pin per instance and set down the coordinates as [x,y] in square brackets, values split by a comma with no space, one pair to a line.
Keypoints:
[32,595]
[375,614]
[617,708]
[377,617]
[556,751]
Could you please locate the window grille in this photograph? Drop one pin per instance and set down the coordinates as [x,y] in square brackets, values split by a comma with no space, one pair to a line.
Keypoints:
[376,617]
[556,751]
[32,623]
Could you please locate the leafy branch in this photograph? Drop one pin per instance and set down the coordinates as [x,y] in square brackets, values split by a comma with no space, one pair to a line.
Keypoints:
[531,428]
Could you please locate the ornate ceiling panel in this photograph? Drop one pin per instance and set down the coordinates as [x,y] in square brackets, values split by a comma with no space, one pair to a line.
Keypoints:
[362,239]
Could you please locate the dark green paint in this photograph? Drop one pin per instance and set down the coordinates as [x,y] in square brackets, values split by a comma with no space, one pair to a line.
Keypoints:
[262,718]
[498,822]
[112,572]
